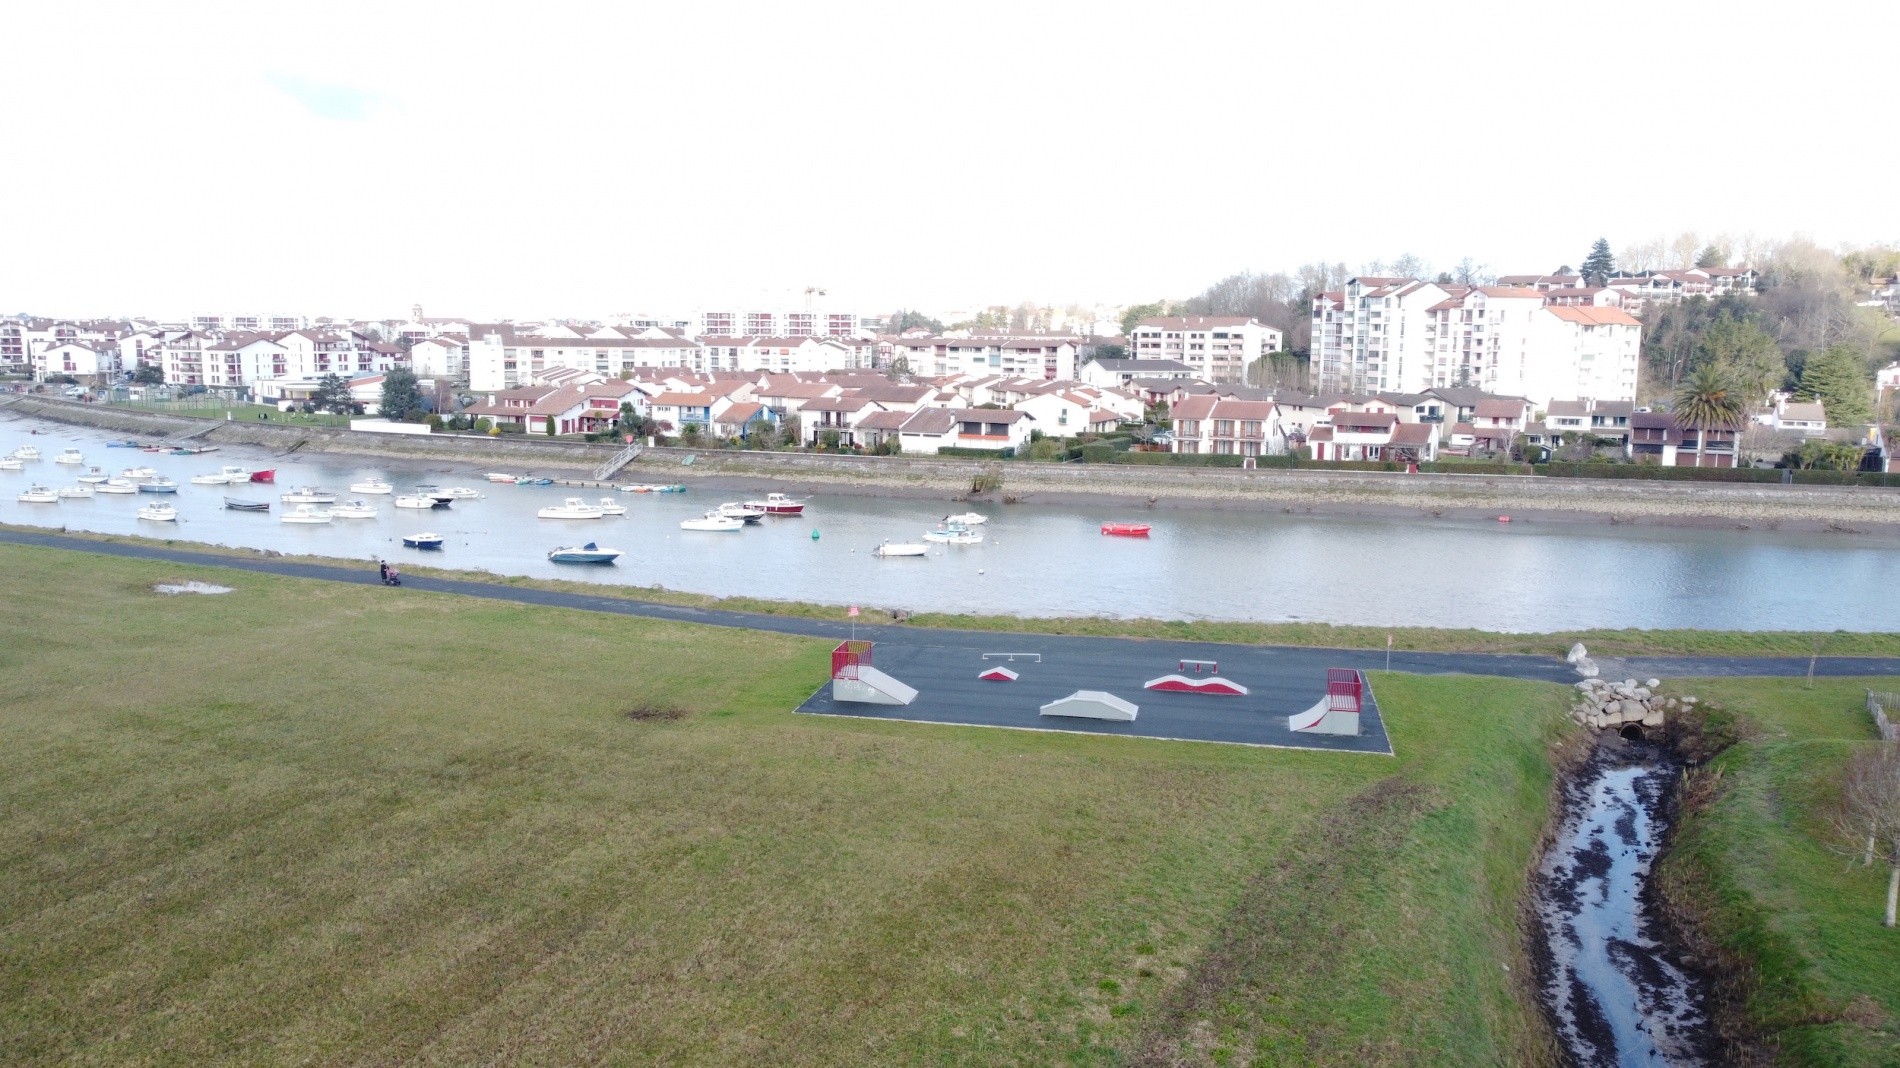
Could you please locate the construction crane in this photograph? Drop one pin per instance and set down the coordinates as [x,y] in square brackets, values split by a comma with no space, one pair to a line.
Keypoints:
[810,292]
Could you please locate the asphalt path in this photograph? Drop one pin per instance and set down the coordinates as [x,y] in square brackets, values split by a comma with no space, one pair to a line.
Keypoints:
[943,664]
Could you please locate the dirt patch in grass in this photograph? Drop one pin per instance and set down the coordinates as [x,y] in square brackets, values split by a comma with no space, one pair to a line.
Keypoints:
[654,713]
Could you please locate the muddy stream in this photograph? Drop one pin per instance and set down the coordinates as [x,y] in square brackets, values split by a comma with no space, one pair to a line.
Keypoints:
[1617,987]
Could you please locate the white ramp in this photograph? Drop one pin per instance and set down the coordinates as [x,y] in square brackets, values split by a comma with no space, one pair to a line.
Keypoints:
[1323,718]
[1092,704]
[872,687]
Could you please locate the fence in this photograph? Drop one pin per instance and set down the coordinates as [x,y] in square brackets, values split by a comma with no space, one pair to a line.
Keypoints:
[209,406]
[1878,703]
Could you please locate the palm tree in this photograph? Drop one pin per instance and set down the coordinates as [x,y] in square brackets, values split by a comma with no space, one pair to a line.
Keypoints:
[1707,401]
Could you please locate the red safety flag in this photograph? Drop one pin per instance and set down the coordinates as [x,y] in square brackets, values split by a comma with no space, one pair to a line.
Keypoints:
[1388,641]
[852,611]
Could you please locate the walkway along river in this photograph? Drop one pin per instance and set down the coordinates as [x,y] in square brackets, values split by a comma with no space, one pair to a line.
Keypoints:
[1037,559]
[1615,987]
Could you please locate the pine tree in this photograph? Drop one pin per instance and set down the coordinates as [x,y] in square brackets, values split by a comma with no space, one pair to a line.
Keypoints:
[1837,377]
[1600,264]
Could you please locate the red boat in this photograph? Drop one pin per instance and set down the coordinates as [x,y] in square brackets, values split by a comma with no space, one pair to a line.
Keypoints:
[264,476]
[778,504]
[1126,530]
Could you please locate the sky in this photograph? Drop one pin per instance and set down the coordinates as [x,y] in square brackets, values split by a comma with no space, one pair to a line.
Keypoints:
[586,160]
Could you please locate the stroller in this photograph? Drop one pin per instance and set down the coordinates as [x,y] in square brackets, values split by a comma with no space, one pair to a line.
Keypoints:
[391,577]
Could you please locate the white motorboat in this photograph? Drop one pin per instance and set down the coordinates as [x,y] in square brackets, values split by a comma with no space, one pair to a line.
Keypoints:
[26,452]
[424,540]
[118,485]
[901,548]
[159,513]
[497,476]
[584,554]
[305,513]
[209,480]
[70,456]
[372,485]
[94,476]
[953,534]
[735,510]
[410,500]
[136,473]
[12,463]
[357,509]
[609,506]
[968,519]
[462,493]
[439,496]
[308,495]
[39,495]
[713,521]
[158,485]
[226,476]
[75,493]
[572,508]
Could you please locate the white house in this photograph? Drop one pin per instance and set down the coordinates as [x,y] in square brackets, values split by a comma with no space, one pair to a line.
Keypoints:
[90,362]
[443,356]
[1064,414]
[1808,419]
[1222,426]
[1118,374]
[1218,347]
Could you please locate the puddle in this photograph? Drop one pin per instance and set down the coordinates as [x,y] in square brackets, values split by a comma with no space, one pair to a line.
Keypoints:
[189,587]
[1617,990]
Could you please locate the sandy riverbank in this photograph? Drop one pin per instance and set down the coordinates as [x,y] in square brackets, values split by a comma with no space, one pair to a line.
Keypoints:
[1451,498]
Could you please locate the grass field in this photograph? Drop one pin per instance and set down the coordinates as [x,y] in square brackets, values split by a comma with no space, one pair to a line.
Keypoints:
[1602,643]
[1803,924]
[327,824]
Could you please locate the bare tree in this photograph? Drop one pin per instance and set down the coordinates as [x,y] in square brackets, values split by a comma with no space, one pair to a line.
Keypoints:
[1761,442]
[1410,266]
[1470,272]
[1642,256]
[1868,823]
[1683,250]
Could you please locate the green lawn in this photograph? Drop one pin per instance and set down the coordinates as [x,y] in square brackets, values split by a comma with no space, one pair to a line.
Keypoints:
[333,824]
[1758,862]
[198,408]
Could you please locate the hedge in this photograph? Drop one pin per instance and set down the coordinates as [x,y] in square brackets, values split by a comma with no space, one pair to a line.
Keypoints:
[977,454]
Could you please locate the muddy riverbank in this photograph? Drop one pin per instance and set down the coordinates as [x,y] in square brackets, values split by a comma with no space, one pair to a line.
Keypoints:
[1822,509]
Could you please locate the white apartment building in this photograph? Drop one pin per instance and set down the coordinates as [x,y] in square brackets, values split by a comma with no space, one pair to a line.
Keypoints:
[442,356]
[1218,347]
[806,323]
[499,358]
[1370,337]
[1506,340]
[1047,358]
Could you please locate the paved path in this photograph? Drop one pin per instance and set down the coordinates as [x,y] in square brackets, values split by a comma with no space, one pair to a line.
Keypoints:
[944,663]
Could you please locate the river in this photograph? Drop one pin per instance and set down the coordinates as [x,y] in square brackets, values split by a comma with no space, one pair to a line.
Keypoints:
[1038,560]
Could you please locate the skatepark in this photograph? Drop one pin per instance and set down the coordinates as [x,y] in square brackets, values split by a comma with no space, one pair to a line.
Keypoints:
[1235,695]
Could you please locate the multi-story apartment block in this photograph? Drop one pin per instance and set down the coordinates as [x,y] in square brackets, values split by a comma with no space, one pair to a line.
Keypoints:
[1218,347]
[1370,337]
[764,323]
[1508,340]
[499,358]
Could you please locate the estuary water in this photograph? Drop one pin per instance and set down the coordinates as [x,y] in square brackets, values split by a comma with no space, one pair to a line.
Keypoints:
[1037,559]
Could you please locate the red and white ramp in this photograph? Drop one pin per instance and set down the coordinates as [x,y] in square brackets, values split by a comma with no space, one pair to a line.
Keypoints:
[998,674]
[853,679]
[1092,704]
[1210,684]
[1338,711]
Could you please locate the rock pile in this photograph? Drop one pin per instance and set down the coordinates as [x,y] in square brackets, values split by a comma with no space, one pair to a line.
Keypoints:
[1613,704]
[1579,657]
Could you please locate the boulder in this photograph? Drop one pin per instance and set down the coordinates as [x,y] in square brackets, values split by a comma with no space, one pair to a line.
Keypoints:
[1641,693]
[1688,700]
[1577,654]
[1629,684]
[1587,668]
[1654,719]
[1652,683]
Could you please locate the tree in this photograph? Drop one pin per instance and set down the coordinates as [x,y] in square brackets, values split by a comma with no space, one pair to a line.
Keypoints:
[1745,353]
[1712,255]
[900,367]
[1110,352]
[914,320]
[1599,265]
[1837,377]
[1867,825]
[1707,401]
[1135,313]
[333,395]
[149,374]
[402,396]
[1824,455]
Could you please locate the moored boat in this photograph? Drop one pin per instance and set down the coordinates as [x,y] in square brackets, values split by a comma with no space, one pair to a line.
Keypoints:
[372,485]
[12,463]
[123,444]
[712,521]
[584,554]
[778,504]
[158,485]
[1126,530]
[497,476]
[26,452]
[159,513]
[901,548]
[94,475]
[136,473]
[968,519]
[735,510]
[39,495]
[69,493]
[953,534]
[612,507]
[424,540]
[268,475]
[305,513]
[674,488]
[410,500]
[118,485]
[70,457]
[572,508]
[237,505]
[356,509]
[308,495]
[462,493]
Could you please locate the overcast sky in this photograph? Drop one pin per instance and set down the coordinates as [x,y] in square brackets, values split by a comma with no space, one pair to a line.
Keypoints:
[541,158]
